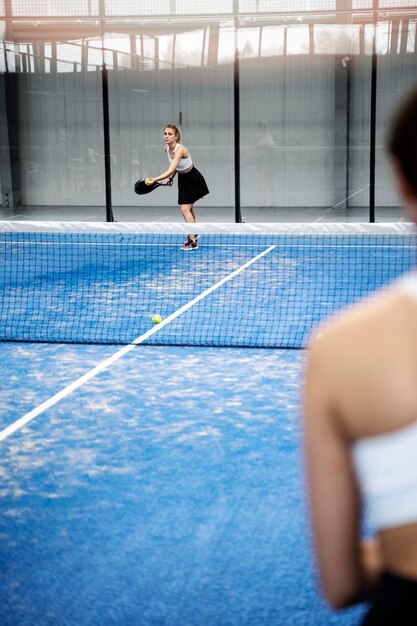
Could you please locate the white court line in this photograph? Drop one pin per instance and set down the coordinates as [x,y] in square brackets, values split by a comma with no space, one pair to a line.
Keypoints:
[28,417]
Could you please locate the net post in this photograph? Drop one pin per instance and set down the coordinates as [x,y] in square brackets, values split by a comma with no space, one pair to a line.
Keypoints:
[372,141]
[106,134]
[236,103]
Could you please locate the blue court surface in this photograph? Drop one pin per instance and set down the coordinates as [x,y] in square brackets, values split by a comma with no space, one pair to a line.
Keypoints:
[167,490]
[149,484]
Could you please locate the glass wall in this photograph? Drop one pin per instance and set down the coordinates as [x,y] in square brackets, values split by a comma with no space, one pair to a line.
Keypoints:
[52,139]
[199,100]
[277,92]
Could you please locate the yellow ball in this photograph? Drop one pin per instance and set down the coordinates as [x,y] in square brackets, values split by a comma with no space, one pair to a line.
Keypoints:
[148,181]
[157,319]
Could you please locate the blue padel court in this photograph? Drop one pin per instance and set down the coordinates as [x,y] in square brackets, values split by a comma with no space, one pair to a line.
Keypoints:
[152,474]
[168,490]
[151,416]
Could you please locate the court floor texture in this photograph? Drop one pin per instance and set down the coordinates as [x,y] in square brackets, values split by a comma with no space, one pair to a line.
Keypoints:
[168,489]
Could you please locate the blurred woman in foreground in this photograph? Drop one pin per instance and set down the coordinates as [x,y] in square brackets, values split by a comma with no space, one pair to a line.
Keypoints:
[361,432]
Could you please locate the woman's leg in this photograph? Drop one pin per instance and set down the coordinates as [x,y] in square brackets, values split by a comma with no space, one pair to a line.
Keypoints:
[188,214]
[187,211]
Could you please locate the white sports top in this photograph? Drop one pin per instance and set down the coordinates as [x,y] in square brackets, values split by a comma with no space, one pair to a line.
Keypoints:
[386,465]
[184,164]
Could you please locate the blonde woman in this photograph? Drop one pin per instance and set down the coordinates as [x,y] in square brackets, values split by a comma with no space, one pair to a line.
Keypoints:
[191,183]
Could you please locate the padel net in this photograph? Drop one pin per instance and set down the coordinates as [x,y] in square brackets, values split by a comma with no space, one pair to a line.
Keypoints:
[248,285]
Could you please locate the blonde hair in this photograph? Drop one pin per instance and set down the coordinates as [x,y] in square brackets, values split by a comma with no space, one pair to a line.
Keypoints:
[176,131]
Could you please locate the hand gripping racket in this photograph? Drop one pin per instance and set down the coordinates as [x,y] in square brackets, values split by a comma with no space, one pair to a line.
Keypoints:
[141,187]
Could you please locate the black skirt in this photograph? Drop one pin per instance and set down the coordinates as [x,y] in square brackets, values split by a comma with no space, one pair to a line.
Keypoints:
[394,602]
[191,187]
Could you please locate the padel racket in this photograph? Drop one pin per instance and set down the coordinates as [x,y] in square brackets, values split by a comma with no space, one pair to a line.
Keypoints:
[141,187]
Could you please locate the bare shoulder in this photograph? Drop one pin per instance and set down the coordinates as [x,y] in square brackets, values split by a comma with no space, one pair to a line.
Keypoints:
[365,362]
[363,335]
[181,150]
[373,317]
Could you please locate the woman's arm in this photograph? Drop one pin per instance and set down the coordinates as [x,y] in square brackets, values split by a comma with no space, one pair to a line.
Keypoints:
[171,171]
[345,574]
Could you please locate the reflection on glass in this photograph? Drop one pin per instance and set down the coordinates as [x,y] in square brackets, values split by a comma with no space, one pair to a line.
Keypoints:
[202,7]
[272,41]
[411,37]
[336,38]
[227,45]
[188,48]
[298,39]
[248,42]
[304,98]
